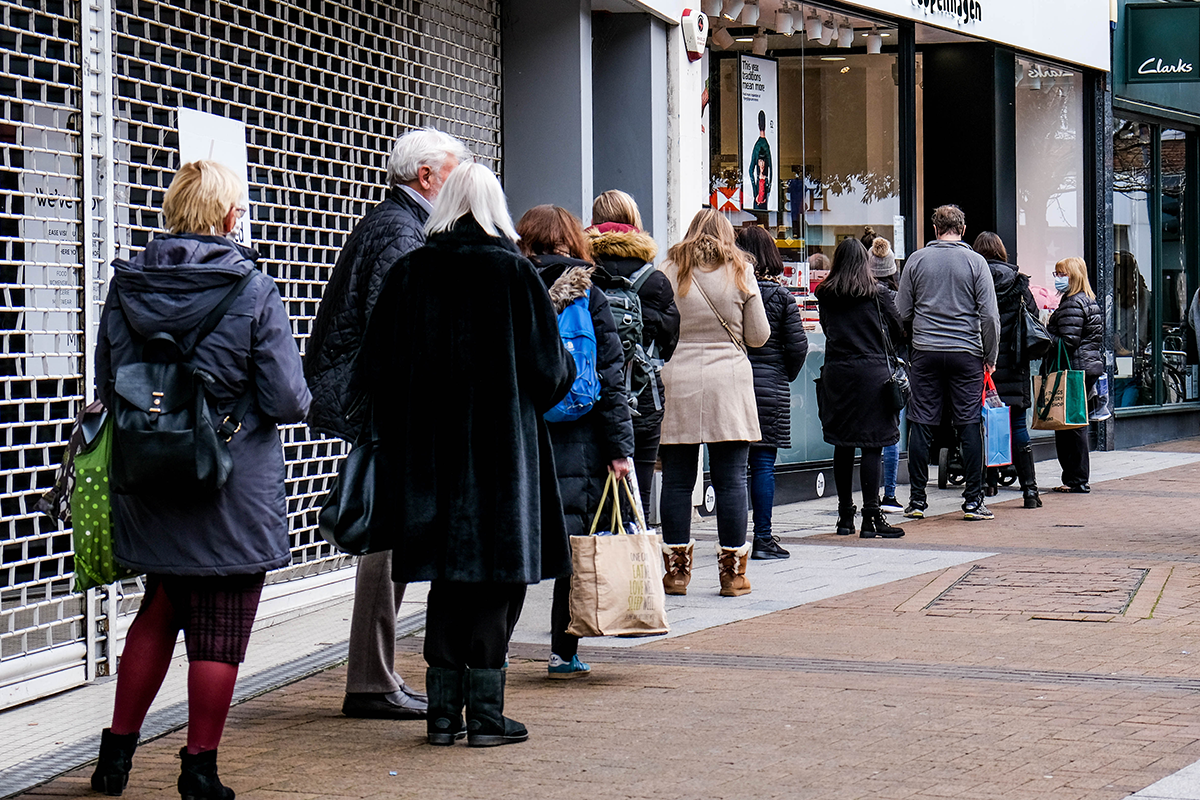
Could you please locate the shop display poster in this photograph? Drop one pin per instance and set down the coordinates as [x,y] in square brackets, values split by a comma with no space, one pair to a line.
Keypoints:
[758,91]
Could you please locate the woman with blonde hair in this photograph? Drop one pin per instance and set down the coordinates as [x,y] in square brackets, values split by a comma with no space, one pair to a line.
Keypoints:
[1079,326]
[710,396]
[205,557]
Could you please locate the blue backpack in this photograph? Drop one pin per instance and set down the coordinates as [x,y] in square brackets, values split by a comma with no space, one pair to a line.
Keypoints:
[579,338]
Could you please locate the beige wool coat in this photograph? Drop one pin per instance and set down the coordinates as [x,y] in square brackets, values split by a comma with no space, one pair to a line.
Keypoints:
[709,382]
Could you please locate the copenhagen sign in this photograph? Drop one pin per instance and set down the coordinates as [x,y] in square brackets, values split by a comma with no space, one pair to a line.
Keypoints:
[965,11]
[1162,43]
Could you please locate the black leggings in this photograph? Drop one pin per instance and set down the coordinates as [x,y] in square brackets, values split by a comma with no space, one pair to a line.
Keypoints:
[727,467]
[868,474]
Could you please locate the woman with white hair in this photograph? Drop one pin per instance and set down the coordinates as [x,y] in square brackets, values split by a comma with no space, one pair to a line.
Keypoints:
[459,382]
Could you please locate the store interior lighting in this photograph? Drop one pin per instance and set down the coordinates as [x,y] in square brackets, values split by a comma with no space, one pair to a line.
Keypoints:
[760,44]
[784,24]
[732,8]
[874,41]
[712,8]
[749,15]
[828,31]
[812,26]
[722,38]
[846,34]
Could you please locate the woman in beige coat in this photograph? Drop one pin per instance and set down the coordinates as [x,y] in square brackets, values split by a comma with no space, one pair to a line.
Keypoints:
[710,396]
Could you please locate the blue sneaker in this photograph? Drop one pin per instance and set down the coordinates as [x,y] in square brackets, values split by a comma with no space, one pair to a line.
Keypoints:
[566,670]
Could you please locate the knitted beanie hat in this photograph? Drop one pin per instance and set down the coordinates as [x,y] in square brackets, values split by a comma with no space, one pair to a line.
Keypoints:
[881,259]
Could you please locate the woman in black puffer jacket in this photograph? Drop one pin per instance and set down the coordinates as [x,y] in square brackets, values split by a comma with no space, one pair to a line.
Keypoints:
[1079,325]
[599,442]
[776,364]
[1012,369]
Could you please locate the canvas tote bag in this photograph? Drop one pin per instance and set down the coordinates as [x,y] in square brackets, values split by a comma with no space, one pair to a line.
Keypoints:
[616,583]
[1060,396]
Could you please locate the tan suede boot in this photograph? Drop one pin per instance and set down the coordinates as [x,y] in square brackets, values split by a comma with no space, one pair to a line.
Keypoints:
[677,559]
[731,561]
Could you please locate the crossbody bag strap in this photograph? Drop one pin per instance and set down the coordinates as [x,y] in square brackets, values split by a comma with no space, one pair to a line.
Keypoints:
[213,318]
[732,337]
[887,338]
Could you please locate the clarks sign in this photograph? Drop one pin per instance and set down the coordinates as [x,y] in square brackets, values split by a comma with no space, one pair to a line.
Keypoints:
[1162,43]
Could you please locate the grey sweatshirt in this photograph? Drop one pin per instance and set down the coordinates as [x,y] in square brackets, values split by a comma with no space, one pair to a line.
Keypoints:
[946,292]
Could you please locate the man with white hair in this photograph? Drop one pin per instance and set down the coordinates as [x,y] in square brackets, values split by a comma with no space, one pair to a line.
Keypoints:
[419,164]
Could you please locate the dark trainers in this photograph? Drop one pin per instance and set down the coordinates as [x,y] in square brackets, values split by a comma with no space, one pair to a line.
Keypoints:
[890,505]
[976,510]
[916,509]
[768,548]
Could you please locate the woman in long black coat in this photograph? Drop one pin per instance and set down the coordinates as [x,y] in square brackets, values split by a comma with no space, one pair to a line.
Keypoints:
[587,449]
[852,397]
[776,364]
[1012,367]
[1078,324]
[459,382]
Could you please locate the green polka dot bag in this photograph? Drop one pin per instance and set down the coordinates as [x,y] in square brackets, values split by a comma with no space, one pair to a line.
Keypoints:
[91,515]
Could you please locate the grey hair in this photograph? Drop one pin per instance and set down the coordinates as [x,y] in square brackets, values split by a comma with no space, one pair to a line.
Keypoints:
[424,147]
[472,189]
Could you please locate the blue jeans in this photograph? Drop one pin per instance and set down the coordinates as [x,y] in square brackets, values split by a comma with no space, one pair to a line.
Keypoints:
[1016,425]
[891,465]
[762,488]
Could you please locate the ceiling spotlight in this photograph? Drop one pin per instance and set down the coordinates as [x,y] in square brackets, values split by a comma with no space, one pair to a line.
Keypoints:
[874,41]
[846,34]
[760,44]
[712,8]
[722,38]
[828,31]
[732,8]
[812,26]
[750,14]
[784,23]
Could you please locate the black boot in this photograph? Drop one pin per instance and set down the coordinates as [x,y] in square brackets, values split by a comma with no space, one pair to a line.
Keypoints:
[875,524]
[445,721]
[845,523]
[198,779]
[486,724]
[116,759]
[1026,474]
[991,481]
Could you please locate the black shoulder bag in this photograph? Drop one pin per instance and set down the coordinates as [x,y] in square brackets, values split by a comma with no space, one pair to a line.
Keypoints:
[896,389]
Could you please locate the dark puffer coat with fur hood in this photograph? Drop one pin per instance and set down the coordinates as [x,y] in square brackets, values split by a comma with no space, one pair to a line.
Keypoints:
[584,447]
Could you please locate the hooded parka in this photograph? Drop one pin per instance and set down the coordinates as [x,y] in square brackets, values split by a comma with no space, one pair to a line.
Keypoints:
[1011,375]
[459,381]
[777,363]
[170,287]
[584,447]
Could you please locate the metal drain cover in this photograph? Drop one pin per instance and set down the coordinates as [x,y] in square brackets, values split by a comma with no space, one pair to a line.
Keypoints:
[1041,591]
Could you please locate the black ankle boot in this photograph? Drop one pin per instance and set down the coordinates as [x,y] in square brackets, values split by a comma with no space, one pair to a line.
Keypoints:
[845,523]
[991,481]
[116,759]
[486,724]
[875,524]
[444,724]
[198,779]
[1026,474]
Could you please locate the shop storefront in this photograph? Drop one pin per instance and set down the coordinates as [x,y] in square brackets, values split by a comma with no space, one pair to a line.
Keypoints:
[843,119]
[1155,147]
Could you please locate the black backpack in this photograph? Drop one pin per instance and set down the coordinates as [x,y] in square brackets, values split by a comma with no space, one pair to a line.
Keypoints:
[164,440]
[626,307]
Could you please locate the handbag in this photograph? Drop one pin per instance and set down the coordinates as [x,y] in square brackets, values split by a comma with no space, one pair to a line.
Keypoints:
[349,518]
[616,580]
[896,389]
[732,336]
[997,431]
[55,502]
[1060,396]
[91,513]
[1033,340]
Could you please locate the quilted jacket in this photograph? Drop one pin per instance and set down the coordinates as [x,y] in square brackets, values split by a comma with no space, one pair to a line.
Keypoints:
[777,363]
[1078,323]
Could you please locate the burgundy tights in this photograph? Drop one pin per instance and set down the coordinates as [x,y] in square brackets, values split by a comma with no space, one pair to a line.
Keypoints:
[144,663]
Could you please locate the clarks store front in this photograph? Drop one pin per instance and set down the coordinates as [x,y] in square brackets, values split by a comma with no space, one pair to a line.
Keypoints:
[826,120]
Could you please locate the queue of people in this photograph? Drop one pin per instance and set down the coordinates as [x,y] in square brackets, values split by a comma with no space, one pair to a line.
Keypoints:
[698,350]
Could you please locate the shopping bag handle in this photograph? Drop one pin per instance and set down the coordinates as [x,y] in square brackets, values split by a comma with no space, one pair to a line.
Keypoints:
[988,383]
[636,505]
[615,520]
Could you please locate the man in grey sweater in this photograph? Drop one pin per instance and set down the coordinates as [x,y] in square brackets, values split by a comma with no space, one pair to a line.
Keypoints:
[947,295]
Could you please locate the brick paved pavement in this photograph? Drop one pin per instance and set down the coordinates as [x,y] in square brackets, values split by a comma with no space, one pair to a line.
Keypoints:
[955,684]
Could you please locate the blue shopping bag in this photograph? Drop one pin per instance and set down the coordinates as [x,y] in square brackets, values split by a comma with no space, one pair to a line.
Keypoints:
[997,434]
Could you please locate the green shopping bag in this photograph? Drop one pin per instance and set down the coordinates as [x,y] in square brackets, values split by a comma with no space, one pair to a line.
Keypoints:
[1060,396]
[91,515]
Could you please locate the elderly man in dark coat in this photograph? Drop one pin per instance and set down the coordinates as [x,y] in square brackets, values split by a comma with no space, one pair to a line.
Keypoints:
[459,382]
[420,162]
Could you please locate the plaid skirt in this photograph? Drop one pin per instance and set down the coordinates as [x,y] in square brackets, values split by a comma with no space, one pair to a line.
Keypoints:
[215,613]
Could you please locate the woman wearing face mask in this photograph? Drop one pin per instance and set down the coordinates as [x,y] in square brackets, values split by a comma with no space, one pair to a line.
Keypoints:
[1077,323]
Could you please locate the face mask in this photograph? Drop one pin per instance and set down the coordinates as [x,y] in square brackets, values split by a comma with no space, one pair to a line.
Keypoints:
[1062,283]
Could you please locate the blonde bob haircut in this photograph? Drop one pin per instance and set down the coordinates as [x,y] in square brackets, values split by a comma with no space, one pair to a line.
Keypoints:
[708,246]
[201,195]
[616,206]
[1075,269]
[472,189]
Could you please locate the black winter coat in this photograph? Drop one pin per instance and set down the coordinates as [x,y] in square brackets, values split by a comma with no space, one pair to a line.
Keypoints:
[1011,375]
[460,381]
[623,253]
[170,287]
[584,447]
[1077,322]
[776,364]
[392,229]
[852,405]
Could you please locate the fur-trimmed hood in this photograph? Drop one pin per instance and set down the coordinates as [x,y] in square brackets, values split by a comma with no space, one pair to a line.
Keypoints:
[574,283]
[610,242]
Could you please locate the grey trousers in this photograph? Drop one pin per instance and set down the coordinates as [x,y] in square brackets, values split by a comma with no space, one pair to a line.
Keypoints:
[372,666]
